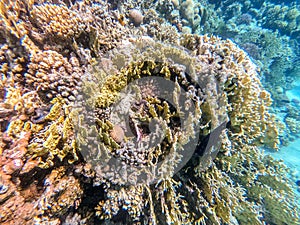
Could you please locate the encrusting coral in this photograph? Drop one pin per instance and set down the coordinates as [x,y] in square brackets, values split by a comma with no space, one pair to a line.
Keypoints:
[99,126]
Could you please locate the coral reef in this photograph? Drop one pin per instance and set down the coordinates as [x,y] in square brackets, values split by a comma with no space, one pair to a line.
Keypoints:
[267,30]
[21,179]
[270,38]
[108,117]
[151,116]
[56,139]
[282,18]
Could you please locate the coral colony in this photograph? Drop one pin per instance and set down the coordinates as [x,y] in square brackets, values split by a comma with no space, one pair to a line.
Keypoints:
[123,113]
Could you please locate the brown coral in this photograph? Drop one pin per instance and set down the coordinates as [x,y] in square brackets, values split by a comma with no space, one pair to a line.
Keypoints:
[61,193]
[57,20]
[10,13]
[52,75]
[17,206]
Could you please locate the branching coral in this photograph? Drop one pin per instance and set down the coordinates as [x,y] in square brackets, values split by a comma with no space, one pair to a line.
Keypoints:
[51,74]
[10,13]
[154,122]
[57,198]
[281,17]
[12,64]
[21,179]
[57,21]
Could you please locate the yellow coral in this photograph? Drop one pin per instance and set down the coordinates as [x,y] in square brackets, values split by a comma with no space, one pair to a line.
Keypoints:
[60,129]
[10,13]
[57,20]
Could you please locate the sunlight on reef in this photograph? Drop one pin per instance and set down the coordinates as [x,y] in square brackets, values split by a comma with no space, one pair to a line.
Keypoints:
[114,116]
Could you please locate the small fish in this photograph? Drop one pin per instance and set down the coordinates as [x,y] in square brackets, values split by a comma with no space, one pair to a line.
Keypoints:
[121,20]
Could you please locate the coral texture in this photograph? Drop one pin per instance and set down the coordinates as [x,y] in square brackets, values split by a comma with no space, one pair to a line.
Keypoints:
[108,122]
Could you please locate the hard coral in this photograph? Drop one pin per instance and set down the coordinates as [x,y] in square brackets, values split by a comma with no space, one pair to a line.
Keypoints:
[88,159]
[57,21]
[150,118]
[52,75]
[56,140]
[242,86]
[228,88]
[16,206]
[10,13]
[61,193]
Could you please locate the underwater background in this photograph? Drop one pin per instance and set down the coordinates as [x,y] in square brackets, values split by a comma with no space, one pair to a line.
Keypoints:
[150,112]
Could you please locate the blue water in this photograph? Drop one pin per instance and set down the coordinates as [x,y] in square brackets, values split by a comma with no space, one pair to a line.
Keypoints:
[294,94]
[291,154]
